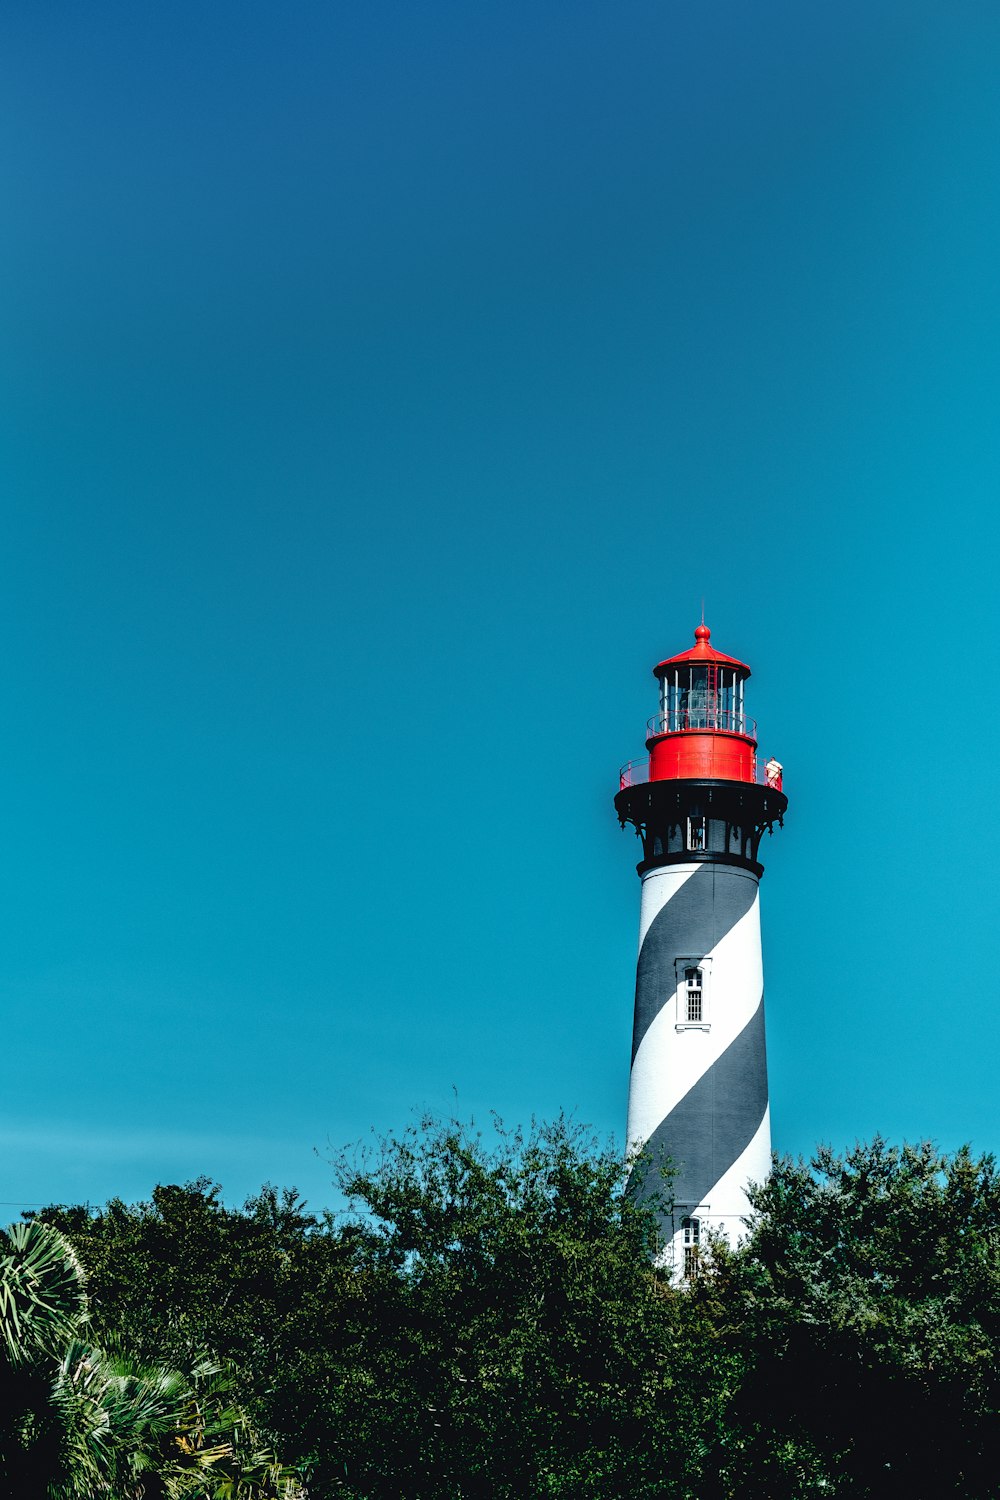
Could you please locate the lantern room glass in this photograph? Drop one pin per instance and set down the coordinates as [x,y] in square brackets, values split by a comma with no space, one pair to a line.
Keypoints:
[701,696]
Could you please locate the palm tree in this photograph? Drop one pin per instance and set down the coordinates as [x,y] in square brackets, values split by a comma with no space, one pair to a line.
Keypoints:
[80,1422]
[43,1292]
[43,1306]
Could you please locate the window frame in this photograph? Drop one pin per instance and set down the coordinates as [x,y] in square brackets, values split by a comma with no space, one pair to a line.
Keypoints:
[694,993]
[691,1245]
[683,964]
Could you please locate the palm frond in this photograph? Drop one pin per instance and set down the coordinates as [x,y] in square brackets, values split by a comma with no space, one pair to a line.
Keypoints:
[43,1299]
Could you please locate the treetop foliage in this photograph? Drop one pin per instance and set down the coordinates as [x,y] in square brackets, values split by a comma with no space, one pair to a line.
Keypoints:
[82,1421]
[489,1318]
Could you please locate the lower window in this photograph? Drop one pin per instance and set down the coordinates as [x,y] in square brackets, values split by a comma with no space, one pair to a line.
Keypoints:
[692,1246]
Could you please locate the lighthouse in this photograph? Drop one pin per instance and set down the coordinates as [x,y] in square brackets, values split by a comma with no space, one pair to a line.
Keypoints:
[700,802]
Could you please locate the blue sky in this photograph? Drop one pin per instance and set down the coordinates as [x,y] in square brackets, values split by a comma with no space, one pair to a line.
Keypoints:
[384,387]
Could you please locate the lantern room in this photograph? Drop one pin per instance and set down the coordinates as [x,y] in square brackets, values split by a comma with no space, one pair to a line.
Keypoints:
[702,729]
[702,792]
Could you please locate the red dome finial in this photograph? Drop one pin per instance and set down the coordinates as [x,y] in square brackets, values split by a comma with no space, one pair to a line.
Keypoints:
[702,633]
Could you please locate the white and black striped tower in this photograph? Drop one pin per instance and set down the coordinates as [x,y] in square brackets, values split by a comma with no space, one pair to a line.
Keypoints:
[700,802]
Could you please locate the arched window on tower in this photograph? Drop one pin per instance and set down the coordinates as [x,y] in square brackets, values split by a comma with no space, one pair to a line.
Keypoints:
[692,1245]
[694,993]
[692,998]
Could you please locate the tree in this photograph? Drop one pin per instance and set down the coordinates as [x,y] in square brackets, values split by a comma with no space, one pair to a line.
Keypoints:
[486,1322]
[866,1307]
[267,1288]
[80,1422]
[489,1320]
[522,1342]
[43,1307]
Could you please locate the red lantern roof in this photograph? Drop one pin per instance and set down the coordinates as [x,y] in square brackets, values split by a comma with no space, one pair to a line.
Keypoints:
[701,651]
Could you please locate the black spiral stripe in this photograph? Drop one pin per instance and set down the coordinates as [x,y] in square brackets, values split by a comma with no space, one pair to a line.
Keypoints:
[711,1126]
